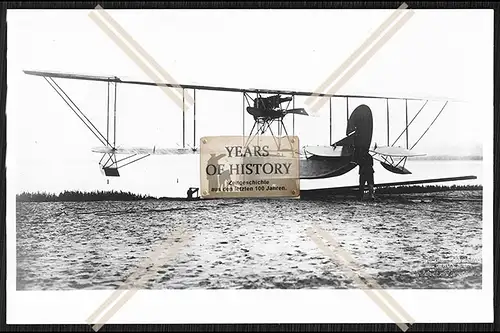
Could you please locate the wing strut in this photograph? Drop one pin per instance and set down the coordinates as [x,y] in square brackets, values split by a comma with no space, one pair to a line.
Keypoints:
[107,117]
[408,125]
[430,124]
[347,109]
[293,115]
[243,115]
[194,118]
[183,120]
[111,166]
[77,110]
[387,105]
[331,134]
[406,121]
[114,125]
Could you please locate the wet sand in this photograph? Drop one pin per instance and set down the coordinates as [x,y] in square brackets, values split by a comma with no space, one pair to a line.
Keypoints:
[405,241]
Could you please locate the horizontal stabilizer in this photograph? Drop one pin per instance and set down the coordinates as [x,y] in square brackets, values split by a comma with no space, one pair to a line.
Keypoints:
[395,152]
[300,111]
[145,151]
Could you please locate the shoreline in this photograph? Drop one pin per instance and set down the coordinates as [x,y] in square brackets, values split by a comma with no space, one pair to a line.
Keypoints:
[76,196]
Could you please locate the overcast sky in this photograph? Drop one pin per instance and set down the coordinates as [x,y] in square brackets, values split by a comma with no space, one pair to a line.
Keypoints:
[447,53]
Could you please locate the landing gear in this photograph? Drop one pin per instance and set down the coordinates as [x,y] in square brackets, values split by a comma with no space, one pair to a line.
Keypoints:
[266,111]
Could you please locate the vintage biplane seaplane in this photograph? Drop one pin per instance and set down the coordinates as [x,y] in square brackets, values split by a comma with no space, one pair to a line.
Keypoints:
[268,107]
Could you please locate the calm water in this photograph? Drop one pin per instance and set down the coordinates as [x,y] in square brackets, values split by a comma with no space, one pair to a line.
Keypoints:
[425,242]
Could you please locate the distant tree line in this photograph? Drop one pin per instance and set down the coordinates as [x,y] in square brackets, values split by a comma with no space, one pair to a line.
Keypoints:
[427,188]
[449,158]
[408,189]
[81,196]
[128,196]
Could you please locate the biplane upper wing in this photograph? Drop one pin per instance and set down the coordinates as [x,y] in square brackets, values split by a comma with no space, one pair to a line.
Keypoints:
[110,78]
[73,76]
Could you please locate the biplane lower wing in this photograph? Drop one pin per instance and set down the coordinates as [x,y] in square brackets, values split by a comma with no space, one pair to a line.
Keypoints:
[323,151]
[336,150]
[145,151]
[395,152]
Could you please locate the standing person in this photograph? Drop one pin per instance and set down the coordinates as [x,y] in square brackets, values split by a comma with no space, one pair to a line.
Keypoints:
[213,180]
[366,174]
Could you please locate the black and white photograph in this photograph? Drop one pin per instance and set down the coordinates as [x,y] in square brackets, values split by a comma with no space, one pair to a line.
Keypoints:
[230,165]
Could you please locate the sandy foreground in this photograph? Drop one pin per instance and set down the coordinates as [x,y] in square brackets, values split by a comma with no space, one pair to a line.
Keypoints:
[399,241]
